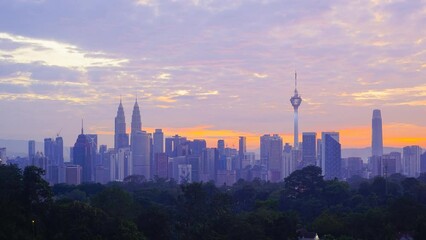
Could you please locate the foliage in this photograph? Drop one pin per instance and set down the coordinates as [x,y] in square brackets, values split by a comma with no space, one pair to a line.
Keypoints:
[158,209]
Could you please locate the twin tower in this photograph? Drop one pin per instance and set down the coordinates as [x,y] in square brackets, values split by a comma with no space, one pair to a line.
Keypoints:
[139,141]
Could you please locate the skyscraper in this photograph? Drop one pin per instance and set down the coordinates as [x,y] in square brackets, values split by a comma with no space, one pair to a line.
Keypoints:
[296,100]
[31,150]
[411,160]
[423,163]
[173,144]
[241,150]
[136,119]
[309,153]
[59,151]
[271,150]
[377,134]
[140,144]
[49,150]
[121,138]
[331,155]
[197,146]
[158,141]
[82,156]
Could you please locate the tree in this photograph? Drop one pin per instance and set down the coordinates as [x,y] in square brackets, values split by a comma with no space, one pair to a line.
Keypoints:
[116,202]
[304,183]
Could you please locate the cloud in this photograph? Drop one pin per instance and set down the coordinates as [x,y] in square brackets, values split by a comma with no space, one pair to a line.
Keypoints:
[231,62]
[412,96]
[53,53]
[259,75]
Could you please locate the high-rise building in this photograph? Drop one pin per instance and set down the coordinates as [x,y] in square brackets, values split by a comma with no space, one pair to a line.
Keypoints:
[375,166]
[158,141]
[73,174]
[209,158]
[377,134]
[121,138]
[411,160]
[59,151]
[352,166]
[331,155]
[136,123]
[49,150]
[173,145]
[141,153]
[197,146]
[221,146]
[398,159]
[423,163]
[82,156]
[389,164]
[319,152]
[287,167]
[271,150]
[121,164]
[242,149]
[309,153]
[161,165]
[296,100]
[31,149]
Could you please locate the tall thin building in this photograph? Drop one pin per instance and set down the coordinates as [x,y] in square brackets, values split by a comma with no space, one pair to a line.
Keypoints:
[377,134]
[59,151]
[158,141]
[296,100]
[49,150]
[331,155]
[271,150]
[136,118]
[309,153]
[31,149]
[140,145]
[82,156]
[242,149]
[411,160]
[121,138]
[141,154]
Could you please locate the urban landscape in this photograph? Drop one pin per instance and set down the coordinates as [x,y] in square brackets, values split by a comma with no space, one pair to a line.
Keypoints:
[151,155]
[212,119]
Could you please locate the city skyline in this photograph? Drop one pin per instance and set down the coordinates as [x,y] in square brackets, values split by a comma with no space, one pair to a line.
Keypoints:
[212,69]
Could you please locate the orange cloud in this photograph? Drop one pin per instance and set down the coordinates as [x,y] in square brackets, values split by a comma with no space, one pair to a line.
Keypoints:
[394,135]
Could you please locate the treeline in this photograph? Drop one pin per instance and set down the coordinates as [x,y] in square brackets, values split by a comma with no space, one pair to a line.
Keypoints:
[138,209]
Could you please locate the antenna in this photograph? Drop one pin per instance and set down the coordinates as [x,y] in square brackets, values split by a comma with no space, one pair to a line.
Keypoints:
[295,80]
[82,132]
[57,135]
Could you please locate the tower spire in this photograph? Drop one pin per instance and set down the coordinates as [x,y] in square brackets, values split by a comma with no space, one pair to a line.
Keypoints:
[295,80]
[82,128]
[295,101]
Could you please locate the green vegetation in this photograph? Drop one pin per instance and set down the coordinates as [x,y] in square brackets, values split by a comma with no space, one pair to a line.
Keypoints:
[159,209]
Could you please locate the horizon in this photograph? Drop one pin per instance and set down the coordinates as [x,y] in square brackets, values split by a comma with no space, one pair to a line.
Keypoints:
[212,69]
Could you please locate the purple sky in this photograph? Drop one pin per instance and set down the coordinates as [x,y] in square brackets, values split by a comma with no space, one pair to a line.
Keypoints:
[216,67]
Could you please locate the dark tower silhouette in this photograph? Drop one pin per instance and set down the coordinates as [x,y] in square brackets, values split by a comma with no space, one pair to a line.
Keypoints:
[296,100]
[121,138]
[82,156]
[377,134]
[136,119]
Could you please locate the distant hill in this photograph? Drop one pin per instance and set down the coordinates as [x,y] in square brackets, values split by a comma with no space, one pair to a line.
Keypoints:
[365,153]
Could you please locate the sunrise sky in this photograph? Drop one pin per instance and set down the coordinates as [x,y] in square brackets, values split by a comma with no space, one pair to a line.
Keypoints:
[213,69]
